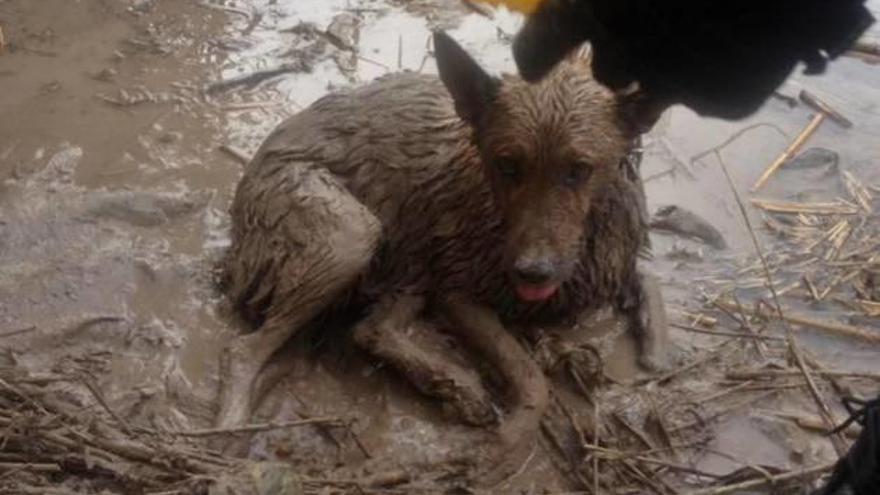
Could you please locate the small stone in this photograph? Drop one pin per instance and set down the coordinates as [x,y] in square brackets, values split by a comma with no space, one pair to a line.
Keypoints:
[140,7]
[50,87]
[105,75]
[170,137]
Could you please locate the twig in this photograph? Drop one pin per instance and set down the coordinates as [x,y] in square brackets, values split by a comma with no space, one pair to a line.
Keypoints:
[754,467]
[635,431]
[647,480]
[761,348]
[374,62]
[357,441]
[223,8]
[722,393]
[733,137]
[725,334]
[811,287]
[41,379]
[663,428]
[871,308]
[838,328]
[236,154]
[575,424]
[658,175]
[766,386]
[678,164]
[597,441]
[378,480]
[559,446]
[813,423]
[48,467]
[764,481]
[722,412]
[252,79]
[139,452]
[842,390]
[767,374]
[730,312]
[617,454]
[701,319]
[816,208]
[520,470]
[255,428]
[41,490]
[429,52]
[10,333]
[479,8]
[789,334]
[89,381]
[687,367]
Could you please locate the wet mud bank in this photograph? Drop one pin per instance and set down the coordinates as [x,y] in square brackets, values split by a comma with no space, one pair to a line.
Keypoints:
[123,127]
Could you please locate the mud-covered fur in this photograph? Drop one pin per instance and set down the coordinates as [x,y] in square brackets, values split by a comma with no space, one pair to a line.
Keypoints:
[474,187]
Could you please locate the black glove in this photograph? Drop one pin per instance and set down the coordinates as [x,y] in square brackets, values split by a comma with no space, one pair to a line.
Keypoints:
[722,58]
[859,470]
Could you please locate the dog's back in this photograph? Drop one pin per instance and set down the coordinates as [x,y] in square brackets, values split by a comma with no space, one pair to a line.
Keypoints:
[451,218]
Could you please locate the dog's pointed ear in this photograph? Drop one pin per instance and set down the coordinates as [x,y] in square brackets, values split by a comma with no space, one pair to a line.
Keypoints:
[472,89]
[639,110]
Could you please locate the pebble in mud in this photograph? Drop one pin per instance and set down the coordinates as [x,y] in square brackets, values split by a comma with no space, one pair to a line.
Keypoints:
[105,75]
[170,137]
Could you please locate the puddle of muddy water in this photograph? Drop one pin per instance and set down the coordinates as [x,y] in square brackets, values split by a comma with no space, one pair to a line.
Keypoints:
[130,285]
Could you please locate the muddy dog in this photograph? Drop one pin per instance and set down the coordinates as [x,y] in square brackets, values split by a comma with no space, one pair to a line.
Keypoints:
[491,201]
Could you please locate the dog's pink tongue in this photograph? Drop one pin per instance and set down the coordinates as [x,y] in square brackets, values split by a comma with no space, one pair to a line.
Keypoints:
[536,293]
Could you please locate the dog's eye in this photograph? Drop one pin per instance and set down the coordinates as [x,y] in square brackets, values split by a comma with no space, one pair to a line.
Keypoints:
[577,174]
[508,168]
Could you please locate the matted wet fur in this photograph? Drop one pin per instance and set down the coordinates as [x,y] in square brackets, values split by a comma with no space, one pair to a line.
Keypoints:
[491,201]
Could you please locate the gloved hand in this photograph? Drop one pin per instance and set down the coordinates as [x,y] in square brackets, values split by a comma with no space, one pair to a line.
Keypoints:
[722,58]
[858,472]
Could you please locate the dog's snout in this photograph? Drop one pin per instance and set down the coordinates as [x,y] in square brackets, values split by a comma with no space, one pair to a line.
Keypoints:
[534,271]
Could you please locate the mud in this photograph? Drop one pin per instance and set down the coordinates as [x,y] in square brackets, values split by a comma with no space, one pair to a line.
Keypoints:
[113,213]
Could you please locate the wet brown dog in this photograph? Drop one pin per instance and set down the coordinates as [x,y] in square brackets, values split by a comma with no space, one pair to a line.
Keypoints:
[491,201]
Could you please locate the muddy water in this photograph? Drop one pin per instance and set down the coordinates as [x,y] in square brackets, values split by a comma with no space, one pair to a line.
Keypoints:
[111,188]
[114,194]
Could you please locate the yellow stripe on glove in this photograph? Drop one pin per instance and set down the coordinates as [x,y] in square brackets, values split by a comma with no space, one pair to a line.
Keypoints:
[527,7]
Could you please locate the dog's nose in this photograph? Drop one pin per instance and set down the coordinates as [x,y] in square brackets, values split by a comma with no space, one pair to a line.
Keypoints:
[533,271]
